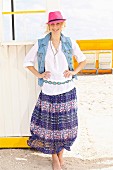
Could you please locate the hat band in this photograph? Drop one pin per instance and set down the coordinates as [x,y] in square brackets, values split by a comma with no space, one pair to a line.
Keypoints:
[55,20]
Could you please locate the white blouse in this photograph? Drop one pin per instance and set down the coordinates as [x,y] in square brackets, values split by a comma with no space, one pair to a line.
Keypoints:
[56,64]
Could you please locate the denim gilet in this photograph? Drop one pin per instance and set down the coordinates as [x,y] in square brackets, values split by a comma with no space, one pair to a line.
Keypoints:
[42,49]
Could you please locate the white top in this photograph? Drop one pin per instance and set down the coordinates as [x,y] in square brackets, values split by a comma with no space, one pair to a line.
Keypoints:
[56,64]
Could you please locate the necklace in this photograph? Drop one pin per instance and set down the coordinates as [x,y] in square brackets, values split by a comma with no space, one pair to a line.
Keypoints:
[53,50]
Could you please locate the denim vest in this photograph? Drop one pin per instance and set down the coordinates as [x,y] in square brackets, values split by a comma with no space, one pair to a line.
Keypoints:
[42,48]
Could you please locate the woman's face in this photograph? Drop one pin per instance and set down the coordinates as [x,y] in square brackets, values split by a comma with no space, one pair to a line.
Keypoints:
[56,27]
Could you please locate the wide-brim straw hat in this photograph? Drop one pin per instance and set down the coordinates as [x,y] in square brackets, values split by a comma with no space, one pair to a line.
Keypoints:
[55,17]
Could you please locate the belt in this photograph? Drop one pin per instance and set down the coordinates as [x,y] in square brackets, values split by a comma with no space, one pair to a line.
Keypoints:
[57,83]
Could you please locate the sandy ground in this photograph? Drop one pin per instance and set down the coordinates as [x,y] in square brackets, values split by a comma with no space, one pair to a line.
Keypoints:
[93,149]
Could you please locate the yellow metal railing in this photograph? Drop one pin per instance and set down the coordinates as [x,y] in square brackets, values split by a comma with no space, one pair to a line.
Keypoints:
[23,12]
[87,46]
[102,44]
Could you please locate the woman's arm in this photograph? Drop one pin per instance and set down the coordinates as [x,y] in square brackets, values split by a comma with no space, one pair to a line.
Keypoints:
[34,71]
[80,57]
[30,60]
[79,67]
[45,75]
[68,73]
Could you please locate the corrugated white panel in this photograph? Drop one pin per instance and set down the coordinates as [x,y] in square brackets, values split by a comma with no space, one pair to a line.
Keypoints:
[6,92]
[18,91]
[31,100]
[105,60]
[90,60]
[23,92]
[2,124]
[14,88]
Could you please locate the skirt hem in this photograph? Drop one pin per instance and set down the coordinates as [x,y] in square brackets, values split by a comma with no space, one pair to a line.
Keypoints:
[49,152]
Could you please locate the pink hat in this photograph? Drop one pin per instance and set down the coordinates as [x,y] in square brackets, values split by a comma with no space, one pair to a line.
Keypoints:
[55,17]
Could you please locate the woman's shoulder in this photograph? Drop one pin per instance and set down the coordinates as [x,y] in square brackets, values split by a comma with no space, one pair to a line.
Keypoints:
[68,38]
[73,41]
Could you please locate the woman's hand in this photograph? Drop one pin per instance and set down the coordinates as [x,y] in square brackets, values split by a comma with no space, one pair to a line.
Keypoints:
[45,75]
[68,73]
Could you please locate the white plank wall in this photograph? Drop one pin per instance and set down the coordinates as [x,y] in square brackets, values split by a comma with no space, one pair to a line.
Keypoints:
[18,91]
[2,123]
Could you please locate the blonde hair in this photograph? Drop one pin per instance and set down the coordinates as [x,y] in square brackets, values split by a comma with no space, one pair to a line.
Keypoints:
[48,30]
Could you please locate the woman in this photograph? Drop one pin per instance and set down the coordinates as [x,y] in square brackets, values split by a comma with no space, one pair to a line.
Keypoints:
[54,121]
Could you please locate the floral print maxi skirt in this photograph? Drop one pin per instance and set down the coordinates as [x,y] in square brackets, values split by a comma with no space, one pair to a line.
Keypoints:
[54,122]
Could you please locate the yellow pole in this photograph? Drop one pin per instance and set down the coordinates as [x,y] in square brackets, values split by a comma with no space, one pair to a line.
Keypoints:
[112,56]
[24,12]
[97,60]
[112,60]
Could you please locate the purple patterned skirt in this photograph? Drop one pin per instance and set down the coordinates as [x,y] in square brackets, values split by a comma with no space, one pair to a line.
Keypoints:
[54,122]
